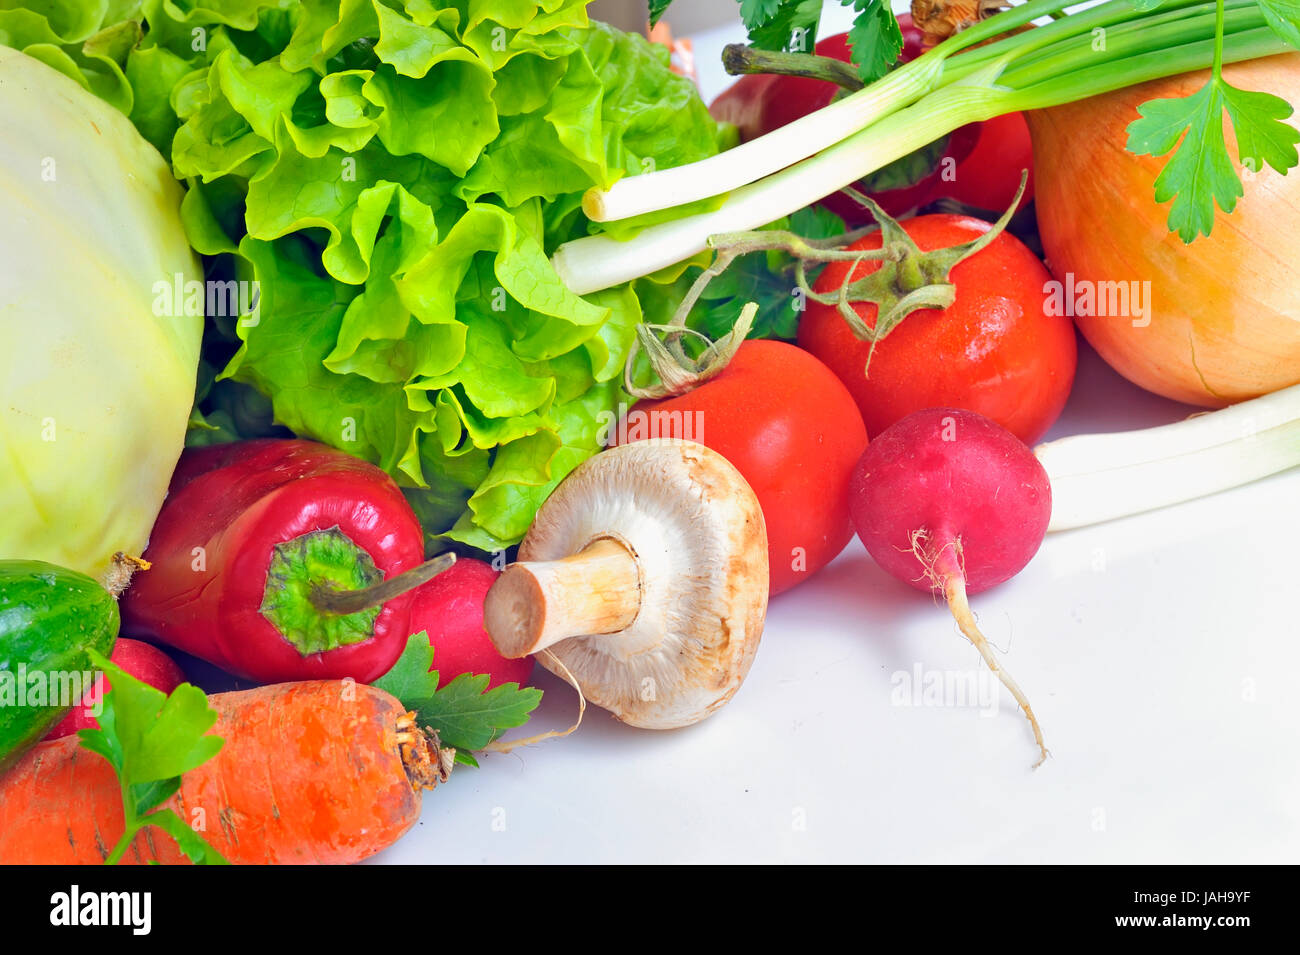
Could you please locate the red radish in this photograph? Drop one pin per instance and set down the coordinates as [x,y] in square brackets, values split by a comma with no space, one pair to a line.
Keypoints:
[450,609]
[949,502]
[143,661]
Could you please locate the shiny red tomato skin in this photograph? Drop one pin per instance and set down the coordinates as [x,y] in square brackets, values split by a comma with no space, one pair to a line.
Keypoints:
[791,428]
[989,176]
[995,350]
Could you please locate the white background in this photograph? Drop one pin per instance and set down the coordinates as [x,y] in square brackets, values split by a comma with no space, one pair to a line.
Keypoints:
[1160,654]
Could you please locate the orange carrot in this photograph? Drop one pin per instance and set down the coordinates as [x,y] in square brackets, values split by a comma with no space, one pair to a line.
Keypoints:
[325,771]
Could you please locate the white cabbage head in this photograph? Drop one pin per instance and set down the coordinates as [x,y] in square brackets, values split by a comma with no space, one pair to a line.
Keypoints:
[95,385]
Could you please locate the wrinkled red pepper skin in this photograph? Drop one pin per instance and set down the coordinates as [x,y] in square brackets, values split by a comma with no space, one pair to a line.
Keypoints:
[237,502]
[758,104]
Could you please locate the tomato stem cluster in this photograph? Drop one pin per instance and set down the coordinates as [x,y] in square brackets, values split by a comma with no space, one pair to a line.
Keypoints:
[908,279]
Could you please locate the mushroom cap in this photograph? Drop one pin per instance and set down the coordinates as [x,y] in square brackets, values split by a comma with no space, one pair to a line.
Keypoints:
[694,527]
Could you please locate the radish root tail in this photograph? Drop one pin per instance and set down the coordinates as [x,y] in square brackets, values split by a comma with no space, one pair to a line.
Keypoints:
[505,746]
[954,589]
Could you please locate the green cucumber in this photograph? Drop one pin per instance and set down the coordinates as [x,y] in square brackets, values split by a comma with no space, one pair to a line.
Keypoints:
[49,618]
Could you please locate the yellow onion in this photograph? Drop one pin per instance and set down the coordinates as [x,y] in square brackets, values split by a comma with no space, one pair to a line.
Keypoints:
[1224,311]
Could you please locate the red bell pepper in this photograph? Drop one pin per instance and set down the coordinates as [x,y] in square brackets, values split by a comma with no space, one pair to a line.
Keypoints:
[279,561]
[761,102]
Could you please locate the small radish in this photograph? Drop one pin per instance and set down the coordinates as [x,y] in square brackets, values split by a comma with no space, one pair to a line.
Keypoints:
[143,661]
[950,502]
[450,609]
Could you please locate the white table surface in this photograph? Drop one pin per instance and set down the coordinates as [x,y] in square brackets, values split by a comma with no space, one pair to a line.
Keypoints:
[1160,654]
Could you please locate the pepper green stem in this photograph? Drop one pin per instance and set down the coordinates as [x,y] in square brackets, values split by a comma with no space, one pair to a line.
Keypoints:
[323,591]
[738,59]
[328,600]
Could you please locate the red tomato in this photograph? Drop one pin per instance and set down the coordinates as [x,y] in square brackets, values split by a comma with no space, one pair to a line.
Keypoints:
[995,350]
[989,177]
[450,609]
[789,426]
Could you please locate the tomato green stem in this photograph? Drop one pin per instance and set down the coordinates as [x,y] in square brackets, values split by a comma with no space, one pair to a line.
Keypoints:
[908,279]
[677,372]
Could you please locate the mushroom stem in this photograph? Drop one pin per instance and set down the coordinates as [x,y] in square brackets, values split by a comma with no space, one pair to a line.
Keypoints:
[534,604]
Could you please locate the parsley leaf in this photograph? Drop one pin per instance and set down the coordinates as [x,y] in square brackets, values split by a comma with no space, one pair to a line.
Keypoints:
[465,713]
[190,842]
[151,738]
[1283,17]
[875,39]
[755,13]
[767,278]
[468,718]
[410,678]
[1262,136]
[657,8]
[792,27]
[1200,174]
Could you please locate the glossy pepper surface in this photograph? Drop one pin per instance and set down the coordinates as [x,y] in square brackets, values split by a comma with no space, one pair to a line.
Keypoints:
[250,535]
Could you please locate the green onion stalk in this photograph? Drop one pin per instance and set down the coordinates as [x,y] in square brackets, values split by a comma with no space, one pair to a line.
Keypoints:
[1103,48]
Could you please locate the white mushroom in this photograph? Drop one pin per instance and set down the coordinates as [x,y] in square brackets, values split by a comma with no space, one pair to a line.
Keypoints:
[645,573]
